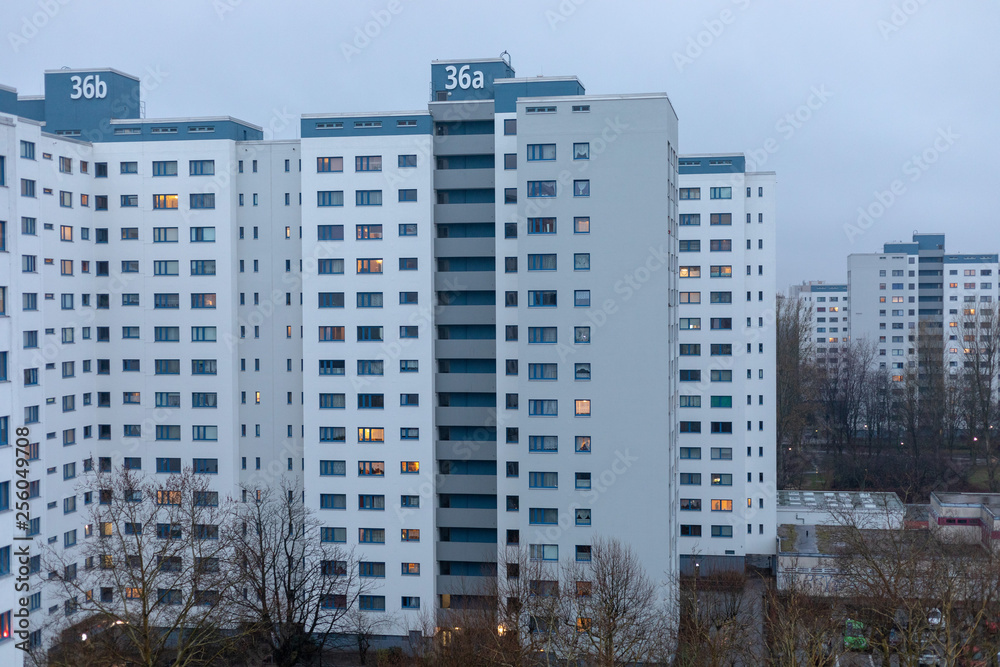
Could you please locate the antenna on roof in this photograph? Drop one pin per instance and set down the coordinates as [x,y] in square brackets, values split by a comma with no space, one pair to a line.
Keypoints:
[507,59]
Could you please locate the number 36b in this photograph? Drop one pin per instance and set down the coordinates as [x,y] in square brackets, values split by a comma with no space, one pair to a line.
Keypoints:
[90,87]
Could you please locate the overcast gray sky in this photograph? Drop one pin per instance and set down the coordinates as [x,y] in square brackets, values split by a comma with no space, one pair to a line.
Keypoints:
[838,98]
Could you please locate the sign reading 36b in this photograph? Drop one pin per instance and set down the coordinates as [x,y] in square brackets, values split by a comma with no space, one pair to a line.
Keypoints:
[461,78]
[89,87]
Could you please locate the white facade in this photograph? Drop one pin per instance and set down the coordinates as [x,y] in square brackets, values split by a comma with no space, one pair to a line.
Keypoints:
[127,338]
[397,316]
[727,358]
[368,416]
[592,450]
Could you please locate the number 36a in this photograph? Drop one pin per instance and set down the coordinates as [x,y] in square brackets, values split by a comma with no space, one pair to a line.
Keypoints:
[90,87]
[460,78]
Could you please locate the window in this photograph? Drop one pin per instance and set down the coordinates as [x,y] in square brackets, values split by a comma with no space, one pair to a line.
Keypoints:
[333,501]
[330,198]
[581,188]
[368,434]
[690,193]
[164,201]
[366,232]
[332,366]
[368,198]
[201,167]
[203,334]
[721,193]
[543,188]
[367,333]
[367,300]
[543,408]
[369,266]
[329,164]
[721,531]
[27,188]
[368,163]
[206,466]
[332,434]
[328,333]
[541,298]
[202,200]
[203,267]
[722,479]
[168,465]
[164,168]
[543,443]
[330,233]
[371,536]
[721,271]
[548,552]
[542,226]
[543,516]
[541,152]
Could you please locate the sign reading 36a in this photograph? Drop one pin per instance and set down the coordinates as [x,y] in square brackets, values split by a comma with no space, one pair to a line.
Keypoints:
[89,87]
[461,78]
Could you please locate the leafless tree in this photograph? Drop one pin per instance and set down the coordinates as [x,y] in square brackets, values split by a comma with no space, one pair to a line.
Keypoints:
[625,617]
[299,585]
[146,583]
[605,612]
[796,382]
[801,629]
[721,622]
[842,389]
[892,578]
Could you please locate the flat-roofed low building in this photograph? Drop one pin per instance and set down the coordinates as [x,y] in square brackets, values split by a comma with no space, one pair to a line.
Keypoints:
[966,518]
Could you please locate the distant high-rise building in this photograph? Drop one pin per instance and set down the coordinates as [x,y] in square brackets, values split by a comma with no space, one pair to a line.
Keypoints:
[828,308]
[915,293]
